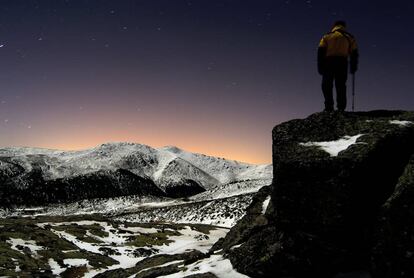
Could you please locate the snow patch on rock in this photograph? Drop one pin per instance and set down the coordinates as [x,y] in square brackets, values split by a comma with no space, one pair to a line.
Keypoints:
[334,147]
[265,204]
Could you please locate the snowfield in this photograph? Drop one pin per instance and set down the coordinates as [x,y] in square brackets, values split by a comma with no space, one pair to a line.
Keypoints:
[117,241]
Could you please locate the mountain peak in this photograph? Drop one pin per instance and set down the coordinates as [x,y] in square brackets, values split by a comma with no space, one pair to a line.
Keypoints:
[118,144]
[172,149]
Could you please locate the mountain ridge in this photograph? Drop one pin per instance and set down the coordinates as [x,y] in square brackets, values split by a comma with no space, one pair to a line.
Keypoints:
[176,172]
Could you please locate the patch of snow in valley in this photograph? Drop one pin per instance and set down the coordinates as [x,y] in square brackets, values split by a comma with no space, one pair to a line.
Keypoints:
[76,262]
[30,244]
[136,230]
[334,147]
[55,267]
[401,123]
[187,241]
[159,266]
[214,264]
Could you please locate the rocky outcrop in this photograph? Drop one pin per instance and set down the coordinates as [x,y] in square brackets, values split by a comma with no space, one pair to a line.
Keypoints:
[341,200]
[254,219]
[393,252]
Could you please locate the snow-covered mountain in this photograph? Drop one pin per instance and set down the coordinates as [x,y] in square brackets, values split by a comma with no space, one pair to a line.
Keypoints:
[127,167]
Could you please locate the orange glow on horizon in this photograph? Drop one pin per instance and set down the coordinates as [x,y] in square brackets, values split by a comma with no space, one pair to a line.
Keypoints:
[219,137]
[241,156]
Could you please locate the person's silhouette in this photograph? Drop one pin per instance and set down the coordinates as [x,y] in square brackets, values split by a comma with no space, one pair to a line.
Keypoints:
[334,49]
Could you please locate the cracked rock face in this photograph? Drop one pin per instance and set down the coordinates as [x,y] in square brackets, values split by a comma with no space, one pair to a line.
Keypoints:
[334,212]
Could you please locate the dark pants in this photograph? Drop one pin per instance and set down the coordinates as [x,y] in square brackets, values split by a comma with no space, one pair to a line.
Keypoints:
[335,69]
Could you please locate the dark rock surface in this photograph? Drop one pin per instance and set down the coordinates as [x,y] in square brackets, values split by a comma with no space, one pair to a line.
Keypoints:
[202,275]
[393,253]
[184,188]
[331,215]
[254,220]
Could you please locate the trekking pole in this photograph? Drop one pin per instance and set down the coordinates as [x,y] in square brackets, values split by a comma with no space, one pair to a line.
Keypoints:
[353,92]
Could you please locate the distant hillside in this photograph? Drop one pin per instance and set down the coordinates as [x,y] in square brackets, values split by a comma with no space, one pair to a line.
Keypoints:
[33,176]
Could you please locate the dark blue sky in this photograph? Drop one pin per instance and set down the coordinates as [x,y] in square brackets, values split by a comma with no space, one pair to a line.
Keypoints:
[208,76]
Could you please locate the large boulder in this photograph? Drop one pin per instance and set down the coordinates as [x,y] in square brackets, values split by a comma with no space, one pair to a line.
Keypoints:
[333,175]
[393,252]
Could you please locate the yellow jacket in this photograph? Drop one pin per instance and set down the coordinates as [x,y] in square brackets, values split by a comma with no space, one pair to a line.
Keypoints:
[338,43]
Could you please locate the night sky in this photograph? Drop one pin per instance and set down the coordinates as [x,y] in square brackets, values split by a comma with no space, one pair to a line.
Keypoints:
[210,76]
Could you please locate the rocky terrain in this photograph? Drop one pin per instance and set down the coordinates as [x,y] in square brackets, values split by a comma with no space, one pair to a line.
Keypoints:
[146,231]
[88,246]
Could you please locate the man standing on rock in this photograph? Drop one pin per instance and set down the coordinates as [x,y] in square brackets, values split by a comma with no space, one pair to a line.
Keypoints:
[334,49]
